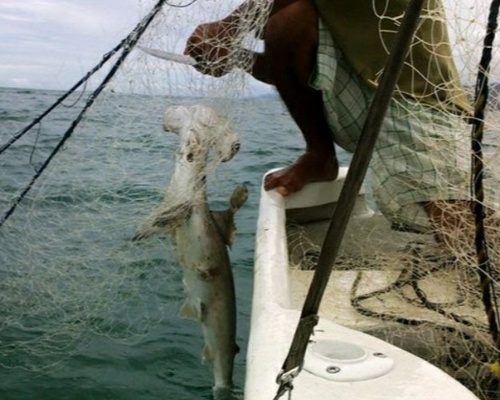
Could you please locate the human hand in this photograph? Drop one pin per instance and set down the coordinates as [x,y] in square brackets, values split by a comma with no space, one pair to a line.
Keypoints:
[211,45]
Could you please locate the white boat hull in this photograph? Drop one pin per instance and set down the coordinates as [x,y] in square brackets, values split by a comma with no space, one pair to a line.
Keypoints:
[349,364]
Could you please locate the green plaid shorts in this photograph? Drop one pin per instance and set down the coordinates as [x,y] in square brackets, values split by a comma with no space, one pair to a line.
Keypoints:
[422,154]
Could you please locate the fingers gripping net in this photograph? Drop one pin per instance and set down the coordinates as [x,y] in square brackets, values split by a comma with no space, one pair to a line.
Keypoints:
[69,271]
[170,32]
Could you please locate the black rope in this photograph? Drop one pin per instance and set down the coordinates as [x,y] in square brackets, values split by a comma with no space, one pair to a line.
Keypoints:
[190,3]
[87,76]
[410,276]
[127,45]
[32,154]
[79,97]
[465,329]
[477,188]
[422,299]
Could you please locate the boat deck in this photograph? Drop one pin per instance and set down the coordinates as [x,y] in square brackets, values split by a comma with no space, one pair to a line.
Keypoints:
[378,284]
[397,286]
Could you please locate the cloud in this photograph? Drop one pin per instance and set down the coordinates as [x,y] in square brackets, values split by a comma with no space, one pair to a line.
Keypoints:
[50,42]
[467,27]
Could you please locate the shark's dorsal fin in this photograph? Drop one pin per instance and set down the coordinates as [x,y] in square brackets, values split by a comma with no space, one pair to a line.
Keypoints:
[238,198]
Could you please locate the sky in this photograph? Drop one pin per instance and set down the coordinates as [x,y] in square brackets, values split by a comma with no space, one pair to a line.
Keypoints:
[51,44]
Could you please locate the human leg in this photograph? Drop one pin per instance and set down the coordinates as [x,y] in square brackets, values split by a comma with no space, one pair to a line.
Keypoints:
[291,40]
[417,170]
[420,172]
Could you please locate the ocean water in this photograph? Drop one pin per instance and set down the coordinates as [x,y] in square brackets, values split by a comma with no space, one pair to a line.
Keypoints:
[84,314]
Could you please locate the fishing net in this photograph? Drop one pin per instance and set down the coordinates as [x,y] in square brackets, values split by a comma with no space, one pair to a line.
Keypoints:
[423,292]
[69,270]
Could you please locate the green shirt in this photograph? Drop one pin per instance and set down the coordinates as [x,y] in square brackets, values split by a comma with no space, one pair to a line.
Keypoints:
[364,30]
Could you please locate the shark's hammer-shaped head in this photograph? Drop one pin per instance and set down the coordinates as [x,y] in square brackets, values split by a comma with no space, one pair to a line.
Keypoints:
[201,132]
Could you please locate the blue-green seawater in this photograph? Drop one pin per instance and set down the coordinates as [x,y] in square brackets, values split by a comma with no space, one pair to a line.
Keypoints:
[85,314]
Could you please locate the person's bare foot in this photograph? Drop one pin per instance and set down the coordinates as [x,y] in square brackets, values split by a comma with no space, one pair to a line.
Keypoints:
[310,167]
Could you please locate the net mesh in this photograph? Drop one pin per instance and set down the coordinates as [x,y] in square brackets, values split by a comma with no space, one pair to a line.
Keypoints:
[422,295]
[68,269]
[419,293]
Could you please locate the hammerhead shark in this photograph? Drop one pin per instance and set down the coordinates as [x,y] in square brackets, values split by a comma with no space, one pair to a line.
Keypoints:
[202,237]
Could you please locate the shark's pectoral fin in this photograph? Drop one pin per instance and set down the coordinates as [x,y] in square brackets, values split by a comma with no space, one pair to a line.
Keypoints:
[163,221]
[147,231]
[173,216]
[151,229]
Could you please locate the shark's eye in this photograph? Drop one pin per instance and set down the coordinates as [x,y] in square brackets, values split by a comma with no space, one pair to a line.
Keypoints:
[190,157]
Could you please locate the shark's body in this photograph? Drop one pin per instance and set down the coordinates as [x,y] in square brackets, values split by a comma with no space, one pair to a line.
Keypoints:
[208,281]
[202,237]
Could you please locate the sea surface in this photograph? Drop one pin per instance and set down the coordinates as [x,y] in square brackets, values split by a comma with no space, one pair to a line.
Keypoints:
[84,312]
